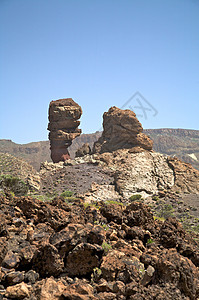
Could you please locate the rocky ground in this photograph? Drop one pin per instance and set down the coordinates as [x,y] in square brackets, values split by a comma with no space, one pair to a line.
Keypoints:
[103,250]
[101,226]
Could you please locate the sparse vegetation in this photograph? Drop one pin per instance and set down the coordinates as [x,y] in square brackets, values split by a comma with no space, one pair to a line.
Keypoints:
[91,204]
[103,225]
[66,194]
[166,211]
[13,185]
[159,218]
[135,197]
[106,247]
[114,202]
[149,241]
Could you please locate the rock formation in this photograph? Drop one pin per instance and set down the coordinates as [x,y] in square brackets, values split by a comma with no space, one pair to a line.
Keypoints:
[63,126]
[83,150]
[121,130]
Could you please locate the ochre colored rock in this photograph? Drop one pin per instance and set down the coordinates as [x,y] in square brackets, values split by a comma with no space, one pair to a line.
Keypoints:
[63,127]
[18,291]
[121,130]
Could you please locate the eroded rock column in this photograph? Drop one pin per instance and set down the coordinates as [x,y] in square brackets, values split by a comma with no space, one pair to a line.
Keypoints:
[63,126]
[122,130]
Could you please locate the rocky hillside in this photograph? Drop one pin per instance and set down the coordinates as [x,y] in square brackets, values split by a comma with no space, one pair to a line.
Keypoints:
[183,143]
[33,153]
[101,226]
[105,250]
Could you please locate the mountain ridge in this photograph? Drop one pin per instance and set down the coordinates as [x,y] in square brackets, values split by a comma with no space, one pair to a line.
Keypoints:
[183,143]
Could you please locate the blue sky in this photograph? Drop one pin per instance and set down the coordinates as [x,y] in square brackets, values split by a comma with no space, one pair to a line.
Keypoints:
[100,53]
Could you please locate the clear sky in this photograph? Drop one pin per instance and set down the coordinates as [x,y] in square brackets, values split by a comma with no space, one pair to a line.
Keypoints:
[100,53]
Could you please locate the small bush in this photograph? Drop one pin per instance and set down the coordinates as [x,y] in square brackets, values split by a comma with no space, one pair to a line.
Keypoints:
[155,198]
[91,204]
[66,194]
[159,218]
[114,202]
[135,197]
[166,211]
[106,247]
[95,276]
[13,185]
[149,241]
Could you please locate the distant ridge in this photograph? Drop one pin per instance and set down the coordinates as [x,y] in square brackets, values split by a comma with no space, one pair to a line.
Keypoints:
[183,143]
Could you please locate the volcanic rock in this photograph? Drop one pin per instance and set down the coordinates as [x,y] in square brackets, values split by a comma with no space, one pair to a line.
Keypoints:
[122,253]
[63,127]
[84,150]
[18,291]
[121,130]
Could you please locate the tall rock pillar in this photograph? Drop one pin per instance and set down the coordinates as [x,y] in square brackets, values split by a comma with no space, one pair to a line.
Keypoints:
[63,126]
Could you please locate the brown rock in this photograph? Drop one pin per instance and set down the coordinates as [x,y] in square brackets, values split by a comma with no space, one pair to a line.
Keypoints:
[83,259]
[11,260]
[47,261]
[171,233]
[179,271]
[117,266]
[63,123]
[3,248]
[18,291]
[83,150]
[79,291]
[13,278]
[138,214]
[107,296]
[121,130]
[49,289]
[186,177]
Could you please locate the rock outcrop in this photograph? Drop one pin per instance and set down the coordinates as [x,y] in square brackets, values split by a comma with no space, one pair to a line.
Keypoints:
[83,150]
[63,126]
[122,130]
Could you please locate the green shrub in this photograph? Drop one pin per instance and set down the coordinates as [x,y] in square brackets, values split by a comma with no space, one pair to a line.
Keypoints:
[114,202]
[91,204]
[135,197]
[166,211]
[14,185]
[95,276]
[149,241]
[155,198]
[66,194]
[106,247]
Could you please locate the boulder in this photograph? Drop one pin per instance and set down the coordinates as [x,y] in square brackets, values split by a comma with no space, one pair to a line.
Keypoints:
[83,150]
[83,259]
[63,127]
[18,291]
[121,130]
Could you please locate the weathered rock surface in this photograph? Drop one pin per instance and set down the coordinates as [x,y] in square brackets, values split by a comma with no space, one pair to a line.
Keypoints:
[186,177]
[63,127]
[84,150]
[93,251]
[121,130]
[142,172]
